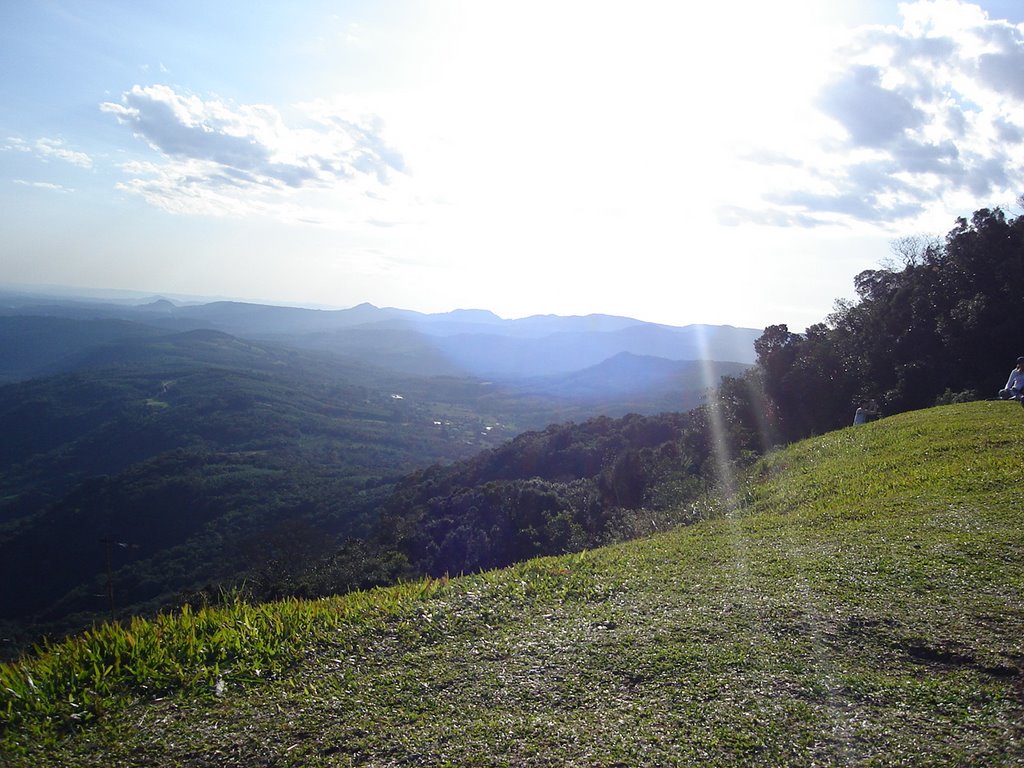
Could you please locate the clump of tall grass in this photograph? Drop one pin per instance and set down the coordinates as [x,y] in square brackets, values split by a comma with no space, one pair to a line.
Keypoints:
[194,651]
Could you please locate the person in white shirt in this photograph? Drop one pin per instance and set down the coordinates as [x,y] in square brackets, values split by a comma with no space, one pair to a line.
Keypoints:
[1014,389]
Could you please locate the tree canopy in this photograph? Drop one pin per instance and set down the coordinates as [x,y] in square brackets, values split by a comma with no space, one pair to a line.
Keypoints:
[943,324]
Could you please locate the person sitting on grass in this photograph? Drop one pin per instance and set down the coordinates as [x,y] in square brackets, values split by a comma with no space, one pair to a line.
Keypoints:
[1014,389]
[866,412]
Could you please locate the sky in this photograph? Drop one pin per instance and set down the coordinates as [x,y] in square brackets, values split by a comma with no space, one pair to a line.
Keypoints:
[733,163]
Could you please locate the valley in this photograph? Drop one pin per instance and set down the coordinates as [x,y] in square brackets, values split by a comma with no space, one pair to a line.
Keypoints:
[146,461]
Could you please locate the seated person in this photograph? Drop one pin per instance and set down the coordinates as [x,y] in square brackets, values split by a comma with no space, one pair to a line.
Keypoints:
[1014,389]
[866,412]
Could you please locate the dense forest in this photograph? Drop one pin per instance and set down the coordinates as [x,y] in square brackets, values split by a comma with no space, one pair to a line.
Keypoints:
[186,461]
[566,488]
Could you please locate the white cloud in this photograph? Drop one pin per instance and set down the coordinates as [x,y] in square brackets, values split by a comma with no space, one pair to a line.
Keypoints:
[233,160]
[55,148]
[46,149]
[43,185]
[930,115]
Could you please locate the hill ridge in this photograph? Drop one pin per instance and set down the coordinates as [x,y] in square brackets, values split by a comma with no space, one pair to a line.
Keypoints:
[472,342]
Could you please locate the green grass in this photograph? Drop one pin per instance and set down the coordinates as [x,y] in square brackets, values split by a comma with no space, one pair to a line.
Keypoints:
[861,602]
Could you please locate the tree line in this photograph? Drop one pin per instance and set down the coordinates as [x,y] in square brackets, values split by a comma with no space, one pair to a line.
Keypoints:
[943,324]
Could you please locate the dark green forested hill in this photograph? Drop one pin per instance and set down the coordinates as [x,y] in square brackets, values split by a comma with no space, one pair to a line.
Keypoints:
[566,488]
[188,452]
[163,464]
[37,346]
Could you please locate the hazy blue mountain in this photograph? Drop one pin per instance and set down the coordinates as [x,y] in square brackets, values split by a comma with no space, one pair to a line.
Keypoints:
[494,355]
[464,342]
[627,374]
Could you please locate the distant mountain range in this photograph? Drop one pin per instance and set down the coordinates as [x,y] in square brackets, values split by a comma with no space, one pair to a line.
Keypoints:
[460,343]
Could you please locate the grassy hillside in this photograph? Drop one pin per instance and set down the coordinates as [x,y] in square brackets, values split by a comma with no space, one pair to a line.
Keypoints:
[859,602]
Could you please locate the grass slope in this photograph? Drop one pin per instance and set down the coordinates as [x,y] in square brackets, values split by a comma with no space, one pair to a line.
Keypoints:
[861,603]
